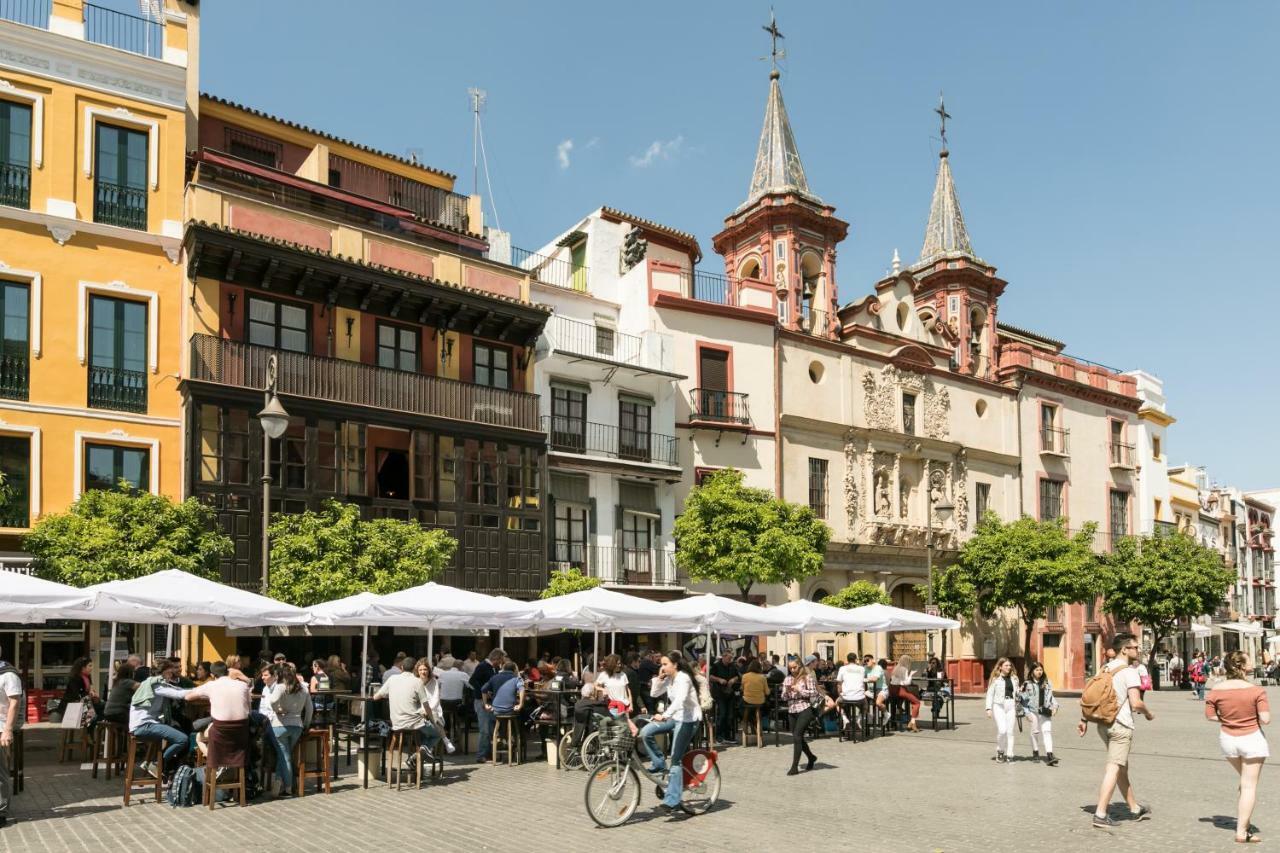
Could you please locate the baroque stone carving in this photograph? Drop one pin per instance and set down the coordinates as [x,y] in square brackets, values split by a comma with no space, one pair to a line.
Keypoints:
[937,411]
[880,398]
[852,474]
[882,492]
[960,488]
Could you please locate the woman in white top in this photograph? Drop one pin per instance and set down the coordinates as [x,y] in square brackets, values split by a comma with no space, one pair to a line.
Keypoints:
[287,706]
[899,681]
[1002,706]
[685,710]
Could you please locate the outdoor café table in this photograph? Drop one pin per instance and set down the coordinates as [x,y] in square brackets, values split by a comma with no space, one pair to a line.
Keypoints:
[324,715]
[348,730]
[948,709]
[556,697]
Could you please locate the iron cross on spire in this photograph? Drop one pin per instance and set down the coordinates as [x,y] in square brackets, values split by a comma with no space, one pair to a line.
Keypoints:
[775,34]
[943,115]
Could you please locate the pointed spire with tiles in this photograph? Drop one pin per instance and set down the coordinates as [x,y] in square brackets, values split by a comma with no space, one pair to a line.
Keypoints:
[945,233]
[778,167]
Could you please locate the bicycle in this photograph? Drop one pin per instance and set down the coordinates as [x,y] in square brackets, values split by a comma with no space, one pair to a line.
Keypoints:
[612,793]
[584,756]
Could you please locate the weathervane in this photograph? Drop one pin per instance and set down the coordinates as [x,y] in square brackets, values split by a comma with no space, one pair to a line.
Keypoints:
[943,115]
[774,34]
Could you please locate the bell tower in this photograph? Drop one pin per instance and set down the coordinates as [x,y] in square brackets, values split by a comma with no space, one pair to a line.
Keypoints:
[783,238]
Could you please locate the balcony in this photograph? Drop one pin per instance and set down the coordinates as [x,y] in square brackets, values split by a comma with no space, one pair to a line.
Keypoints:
[240,365]
[816,323]
[15,185]
[650,351]
[556,272]
[571,435]
[143,36]
[1055,442]
[1121,455]
[33,13]
[125,207]
[117,389]
[722,408]
[616,565]
[707,287]
[432,204]
[14,376]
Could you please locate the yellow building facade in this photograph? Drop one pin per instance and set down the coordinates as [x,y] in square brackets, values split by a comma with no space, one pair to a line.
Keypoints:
[94,108]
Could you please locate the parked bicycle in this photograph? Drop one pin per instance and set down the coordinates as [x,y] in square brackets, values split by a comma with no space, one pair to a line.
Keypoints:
[613,788]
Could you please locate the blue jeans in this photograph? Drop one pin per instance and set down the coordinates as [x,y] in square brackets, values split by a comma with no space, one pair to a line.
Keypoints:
[649,737]
[1199,686]
[484,720]
[286,737]
[175,740]
[675,781]
[428,735]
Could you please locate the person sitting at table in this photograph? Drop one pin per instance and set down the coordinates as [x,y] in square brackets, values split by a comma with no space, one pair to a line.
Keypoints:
[339,677]
[202,673]
[755,692]
[413,707]
[116,709]
[851,680]
[453,686]
[899,688]
[287,709]
[502,694]
[80,689]
[151,715]
[397,667]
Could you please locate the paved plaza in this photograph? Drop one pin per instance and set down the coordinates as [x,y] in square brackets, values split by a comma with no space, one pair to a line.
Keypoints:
[931,792]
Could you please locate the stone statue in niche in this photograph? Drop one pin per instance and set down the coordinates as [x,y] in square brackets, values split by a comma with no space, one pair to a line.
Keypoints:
[904,499]
[882,493]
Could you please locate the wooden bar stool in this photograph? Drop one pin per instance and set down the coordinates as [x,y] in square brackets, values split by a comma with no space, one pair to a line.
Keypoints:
[755,712]
[115,736]
[319,736]
[395,759]
[73,740]
[506,733]
[151,753]
[212,785]
[851,711]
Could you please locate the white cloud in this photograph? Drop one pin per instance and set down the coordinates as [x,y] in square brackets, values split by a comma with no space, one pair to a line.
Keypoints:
[562,153]
[593,142]
[658,150]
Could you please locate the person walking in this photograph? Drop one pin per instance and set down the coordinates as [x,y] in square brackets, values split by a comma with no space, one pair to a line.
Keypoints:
[1002,706]
[11,711]
[1040,706]
[800,692]
[1117,735]
[1198,672]
[1241,708]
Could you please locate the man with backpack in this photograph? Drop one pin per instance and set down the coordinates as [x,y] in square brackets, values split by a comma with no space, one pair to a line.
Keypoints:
[12,709]
[1109,701]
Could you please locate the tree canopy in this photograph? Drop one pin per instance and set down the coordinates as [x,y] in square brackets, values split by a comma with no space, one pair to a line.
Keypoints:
[1159,580]
[857,594]
[733,533]
[110,535]
[1027,565]
[565,581]
[318,556]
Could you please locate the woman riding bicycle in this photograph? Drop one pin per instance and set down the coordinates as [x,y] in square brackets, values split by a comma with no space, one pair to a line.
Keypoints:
[681,716]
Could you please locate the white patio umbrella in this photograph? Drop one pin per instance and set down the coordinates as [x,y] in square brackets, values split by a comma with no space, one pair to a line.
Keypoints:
[172,596]
[27,599]
[888,618]
[728,615]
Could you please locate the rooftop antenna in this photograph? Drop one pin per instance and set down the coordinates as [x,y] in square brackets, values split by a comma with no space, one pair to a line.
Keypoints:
[478,155]
[774,34]
[943,115]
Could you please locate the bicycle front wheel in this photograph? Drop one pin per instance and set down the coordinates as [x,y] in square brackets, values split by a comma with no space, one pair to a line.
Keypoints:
[700,797]
[570,758]
[612,794]
[591,752]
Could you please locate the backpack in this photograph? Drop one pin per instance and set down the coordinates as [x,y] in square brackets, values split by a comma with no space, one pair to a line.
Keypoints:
[1098,702]
[185,789]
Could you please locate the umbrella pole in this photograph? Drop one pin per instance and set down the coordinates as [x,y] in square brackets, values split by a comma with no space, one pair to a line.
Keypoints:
[364,664]
[595,653]
[111,660]
[613,642]
[501,638]
[168,640]
[431,643]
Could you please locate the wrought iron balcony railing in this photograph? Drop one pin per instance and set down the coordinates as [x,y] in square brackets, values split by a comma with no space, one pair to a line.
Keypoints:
[1121,455]
[14,376]
[15,185]
[1055,441]
[33,13]
[707,287]
[118,205]
[243,365]
[117,389]
[719,407]
[121,30]
[573,435]
[557,272]
[617,565]
[433,204]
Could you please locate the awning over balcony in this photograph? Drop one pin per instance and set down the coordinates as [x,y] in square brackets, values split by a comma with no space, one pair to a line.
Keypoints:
[239,257]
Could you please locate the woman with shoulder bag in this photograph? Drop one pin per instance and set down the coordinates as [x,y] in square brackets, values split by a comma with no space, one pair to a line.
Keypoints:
[800,691]
[1037,698]
[1002,706]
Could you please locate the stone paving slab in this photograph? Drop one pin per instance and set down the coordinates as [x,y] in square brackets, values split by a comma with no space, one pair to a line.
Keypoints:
[928,792]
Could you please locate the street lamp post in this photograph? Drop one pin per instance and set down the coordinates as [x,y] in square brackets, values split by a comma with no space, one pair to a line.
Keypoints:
[274,420]
[943,507]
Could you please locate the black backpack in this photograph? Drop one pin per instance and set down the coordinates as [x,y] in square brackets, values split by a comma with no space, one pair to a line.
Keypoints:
[185,789]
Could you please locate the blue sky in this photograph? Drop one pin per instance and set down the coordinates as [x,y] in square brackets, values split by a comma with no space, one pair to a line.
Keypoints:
[1114,161]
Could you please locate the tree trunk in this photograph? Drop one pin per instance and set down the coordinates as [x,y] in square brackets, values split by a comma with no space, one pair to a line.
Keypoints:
[1026,643]
[743,590]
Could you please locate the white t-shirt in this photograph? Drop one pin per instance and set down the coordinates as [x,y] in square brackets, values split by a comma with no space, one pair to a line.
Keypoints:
[615,686]
[10,688]
[853,682]
[1123,677]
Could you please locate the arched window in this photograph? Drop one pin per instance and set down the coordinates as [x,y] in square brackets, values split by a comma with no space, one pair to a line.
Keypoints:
[750,268]
[811,298]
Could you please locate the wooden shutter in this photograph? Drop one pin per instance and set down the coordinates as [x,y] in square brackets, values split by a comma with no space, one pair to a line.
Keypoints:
[713,370]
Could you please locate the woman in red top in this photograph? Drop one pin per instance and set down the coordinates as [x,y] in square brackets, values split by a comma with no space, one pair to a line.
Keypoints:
[1242,709]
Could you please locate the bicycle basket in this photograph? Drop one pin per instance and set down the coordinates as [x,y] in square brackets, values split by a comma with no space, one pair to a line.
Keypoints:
[615,735]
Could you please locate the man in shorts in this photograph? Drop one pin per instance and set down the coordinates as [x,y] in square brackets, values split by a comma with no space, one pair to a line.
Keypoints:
[1118,736]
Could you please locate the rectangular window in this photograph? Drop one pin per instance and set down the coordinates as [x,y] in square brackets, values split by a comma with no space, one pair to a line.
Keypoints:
[15,154]
[818,487]
[481,471]
[713,381]
[571,534]
[210,418]
[328,455]
[423,464]
[1119,514]
[605,341]
[15,464]
[981,501]
[254,148]
[568,419]
[635,420]
[120,177]
[524,487]
[14,340]
[909,414]
[1052,614]
[1156,447]
[1050,500]
[492,366]
[397,348]
[110,466]
[278,325]
[354,458]
[117,354]
[578,266]
[289,457]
